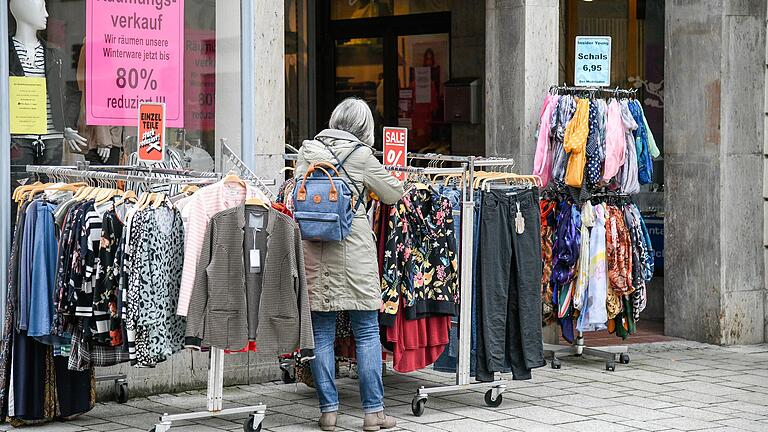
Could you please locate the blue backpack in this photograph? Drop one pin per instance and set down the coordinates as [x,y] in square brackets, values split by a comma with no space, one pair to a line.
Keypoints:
[322,202]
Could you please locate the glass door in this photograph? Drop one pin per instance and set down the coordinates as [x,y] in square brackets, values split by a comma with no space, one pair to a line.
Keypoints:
[359,72]
[423,67]
[396,63]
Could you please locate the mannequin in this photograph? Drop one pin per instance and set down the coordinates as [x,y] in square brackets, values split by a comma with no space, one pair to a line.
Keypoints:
[105,143]
[31,16]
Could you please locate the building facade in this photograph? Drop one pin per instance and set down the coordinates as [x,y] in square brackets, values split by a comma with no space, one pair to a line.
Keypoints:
[262,74]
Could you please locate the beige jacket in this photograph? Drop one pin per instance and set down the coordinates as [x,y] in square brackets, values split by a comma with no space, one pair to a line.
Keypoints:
[345,275]
[228,309]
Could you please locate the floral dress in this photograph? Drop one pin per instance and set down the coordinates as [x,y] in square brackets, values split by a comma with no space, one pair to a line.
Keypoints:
[420,260]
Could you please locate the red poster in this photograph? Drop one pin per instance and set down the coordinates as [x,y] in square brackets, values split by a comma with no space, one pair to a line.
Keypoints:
[396,148]
[200,80]
[151,146]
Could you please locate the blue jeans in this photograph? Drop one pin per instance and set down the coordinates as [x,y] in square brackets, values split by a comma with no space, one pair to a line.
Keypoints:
[365,327]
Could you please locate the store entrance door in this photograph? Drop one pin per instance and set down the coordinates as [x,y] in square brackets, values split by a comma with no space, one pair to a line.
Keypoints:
[398,64]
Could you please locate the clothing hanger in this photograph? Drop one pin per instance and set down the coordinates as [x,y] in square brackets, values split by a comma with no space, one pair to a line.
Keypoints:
[159,200]
[17,193]
[232,177]
[256,201]
[189,189]
[128,195]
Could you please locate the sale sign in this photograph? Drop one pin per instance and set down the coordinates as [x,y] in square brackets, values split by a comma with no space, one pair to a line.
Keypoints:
[151,143]
[396,149]
[134,54]
[593,61]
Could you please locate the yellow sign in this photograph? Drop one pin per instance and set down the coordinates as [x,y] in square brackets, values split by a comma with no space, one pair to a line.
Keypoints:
[28,105]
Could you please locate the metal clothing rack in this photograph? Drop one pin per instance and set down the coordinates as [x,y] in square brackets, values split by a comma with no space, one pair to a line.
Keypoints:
[564,89]
[468,165]
[611,354]
[216,367]
[493,397]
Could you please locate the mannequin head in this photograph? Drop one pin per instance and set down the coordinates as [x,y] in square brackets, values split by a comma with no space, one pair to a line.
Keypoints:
[30,14]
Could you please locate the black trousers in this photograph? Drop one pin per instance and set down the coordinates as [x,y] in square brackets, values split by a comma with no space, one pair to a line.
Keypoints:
[509,285]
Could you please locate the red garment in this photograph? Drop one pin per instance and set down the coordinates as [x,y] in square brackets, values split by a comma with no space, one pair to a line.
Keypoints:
[282,208]
[251,347]
[417,343]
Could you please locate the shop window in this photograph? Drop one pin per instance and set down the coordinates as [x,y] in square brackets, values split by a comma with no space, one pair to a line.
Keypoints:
[106,58]
[353,9]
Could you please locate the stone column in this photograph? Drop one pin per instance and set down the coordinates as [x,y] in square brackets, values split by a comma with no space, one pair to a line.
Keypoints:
[268,77]
[713,156]
[521,62]
[521,55]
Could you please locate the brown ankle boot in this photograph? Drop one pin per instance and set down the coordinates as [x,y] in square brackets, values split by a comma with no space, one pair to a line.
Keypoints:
[377,421]
[328,421]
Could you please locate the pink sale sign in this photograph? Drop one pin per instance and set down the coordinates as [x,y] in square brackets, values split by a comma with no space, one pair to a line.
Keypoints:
[134,53]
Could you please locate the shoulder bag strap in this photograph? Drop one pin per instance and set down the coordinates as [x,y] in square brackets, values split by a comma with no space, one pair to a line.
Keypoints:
[340,166]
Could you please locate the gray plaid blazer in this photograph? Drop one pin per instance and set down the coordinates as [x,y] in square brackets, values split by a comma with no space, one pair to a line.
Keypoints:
[219,313]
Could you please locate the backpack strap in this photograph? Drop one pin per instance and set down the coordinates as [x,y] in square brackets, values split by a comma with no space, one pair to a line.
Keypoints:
[340,166]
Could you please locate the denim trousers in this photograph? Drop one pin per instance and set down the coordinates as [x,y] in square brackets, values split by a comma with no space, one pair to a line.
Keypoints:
[509,285]
[448,361]
[365,328]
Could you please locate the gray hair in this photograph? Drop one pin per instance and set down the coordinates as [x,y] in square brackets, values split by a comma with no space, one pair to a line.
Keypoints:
[353,115]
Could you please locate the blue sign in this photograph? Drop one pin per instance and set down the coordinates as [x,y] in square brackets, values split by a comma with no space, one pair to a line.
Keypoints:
[593,61]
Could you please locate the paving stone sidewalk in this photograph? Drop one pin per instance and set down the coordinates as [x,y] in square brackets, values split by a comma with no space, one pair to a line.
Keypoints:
[668,386]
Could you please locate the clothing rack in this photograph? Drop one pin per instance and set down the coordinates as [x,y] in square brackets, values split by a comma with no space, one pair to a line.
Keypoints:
[493,397]
[216,367]
[467,168]
[611,354]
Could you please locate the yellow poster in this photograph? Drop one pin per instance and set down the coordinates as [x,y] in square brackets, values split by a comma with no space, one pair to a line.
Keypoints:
[28,110]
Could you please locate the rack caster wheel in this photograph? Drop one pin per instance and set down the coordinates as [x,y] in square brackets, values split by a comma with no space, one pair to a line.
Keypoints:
[624,358]
[249,427]
[417,406]
[288,377]
[555,363]
[493,403]
[610,366]
[161,427]
[121,392]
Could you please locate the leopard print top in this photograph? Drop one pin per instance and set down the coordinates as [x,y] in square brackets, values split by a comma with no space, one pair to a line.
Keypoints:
[153,289]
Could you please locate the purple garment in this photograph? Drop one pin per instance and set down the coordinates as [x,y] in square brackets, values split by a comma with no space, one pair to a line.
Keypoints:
[565,255]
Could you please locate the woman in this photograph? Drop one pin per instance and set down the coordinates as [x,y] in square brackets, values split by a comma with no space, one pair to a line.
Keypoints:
[343,276]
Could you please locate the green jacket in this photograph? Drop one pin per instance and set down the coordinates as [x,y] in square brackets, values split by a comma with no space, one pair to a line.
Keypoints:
[345,275]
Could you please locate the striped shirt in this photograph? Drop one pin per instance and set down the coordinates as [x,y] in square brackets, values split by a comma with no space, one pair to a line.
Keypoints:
[35,67]
[201,207]
[174,162]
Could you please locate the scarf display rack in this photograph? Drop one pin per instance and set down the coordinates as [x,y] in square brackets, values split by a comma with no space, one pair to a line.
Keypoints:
[611,354]
[215,387]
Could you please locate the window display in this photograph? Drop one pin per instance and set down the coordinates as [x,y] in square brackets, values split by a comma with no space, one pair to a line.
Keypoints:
[80,69]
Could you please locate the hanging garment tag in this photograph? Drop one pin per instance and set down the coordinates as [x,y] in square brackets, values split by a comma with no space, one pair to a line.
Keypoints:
[519,220]
[256,221]
[255,260]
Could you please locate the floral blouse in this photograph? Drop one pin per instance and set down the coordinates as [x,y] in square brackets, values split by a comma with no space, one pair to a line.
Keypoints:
[420,261]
